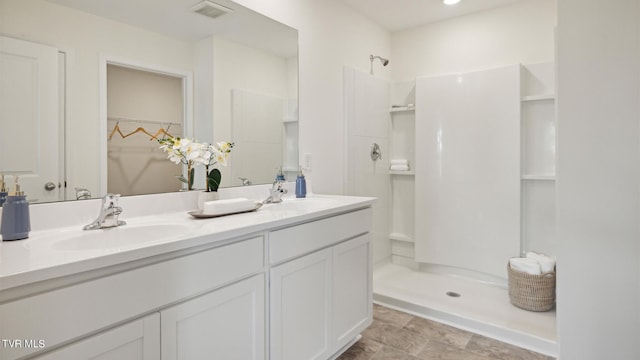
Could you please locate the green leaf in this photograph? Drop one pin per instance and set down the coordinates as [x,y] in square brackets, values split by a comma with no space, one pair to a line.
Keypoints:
[213,179]
[191,176]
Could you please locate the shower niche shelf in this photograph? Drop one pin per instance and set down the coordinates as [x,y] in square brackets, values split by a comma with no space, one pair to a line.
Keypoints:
[402,109]
[538,177]
[402,137]
[402,173]
[402,146]
[539,97]
[401,237]
[538,151]
[538,137]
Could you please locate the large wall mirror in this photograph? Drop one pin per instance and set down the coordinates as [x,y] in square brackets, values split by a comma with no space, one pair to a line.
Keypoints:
[79,78]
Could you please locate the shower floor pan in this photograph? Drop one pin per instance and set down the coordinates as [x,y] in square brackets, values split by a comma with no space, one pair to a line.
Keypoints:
[481,308]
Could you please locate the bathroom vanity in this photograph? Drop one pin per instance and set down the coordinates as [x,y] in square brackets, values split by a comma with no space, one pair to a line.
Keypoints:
[289,281]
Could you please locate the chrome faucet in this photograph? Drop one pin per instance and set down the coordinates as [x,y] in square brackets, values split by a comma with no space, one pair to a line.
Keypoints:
[245,181]
[276,192]
[83,194]
[108,214]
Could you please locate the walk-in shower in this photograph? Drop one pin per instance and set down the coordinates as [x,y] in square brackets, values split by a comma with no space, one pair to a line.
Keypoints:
[475,132]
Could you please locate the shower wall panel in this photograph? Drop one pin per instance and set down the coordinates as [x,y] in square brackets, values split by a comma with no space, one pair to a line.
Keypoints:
[366,110]
[468,169]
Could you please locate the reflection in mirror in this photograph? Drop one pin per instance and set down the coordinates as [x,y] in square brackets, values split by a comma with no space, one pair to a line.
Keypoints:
[62,139]
[142,107]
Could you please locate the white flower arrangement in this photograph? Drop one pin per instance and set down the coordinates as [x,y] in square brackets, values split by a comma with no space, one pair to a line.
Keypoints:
[216,154]
[191,153]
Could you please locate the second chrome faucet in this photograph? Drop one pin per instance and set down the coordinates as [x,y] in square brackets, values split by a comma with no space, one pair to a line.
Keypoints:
[276,192]
[108,216]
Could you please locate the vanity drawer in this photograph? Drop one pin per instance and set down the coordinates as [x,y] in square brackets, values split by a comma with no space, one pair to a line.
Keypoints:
[289,243]
[64,314]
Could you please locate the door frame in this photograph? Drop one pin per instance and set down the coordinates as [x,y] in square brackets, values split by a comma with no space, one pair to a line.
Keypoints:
[187,95]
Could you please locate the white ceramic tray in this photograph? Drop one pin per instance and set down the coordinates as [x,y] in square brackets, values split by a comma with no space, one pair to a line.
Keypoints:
[199,215]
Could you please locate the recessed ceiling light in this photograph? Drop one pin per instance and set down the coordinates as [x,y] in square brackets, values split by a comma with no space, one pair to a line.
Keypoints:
[450,2]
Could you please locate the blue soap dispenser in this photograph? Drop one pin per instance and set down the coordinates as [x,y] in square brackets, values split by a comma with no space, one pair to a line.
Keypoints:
[15,224]
[280,175]
[3,190]
[301,184]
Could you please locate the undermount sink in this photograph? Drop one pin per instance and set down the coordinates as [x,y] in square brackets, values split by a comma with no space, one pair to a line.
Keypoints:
[111,238]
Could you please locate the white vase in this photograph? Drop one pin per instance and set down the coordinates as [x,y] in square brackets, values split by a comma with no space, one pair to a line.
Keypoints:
[204,196]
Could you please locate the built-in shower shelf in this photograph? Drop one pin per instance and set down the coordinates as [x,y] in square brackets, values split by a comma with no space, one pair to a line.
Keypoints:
[539,177]
[539,97]
[402,109]
[401,237]
[405,173]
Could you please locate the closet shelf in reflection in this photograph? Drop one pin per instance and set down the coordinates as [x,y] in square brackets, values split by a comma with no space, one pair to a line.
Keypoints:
[159,133]
[143,121]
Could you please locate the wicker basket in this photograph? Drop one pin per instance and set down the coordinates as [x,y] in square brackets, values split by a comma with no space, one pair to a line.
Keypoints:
[532,292]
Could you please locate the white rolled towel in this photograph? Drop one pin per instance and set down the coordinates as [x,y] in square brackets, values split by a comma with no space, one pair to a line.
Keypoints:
[529,266]
[399,168]
[219,207]
[547,263]
[399,162]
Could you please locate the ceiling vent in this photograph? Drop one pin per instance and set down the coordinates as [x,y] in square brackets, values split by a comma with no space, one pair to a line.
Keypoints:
[210,9]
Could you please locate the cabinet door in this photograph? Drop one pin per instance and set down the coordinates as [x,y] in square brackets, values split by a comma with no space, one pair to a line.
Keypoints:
[301,308]
[352,289]
[228,323]
[138,339]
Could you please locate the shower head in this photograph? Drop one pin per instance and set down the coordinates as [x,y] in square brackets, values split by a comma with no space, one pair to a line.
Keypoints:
[384,62]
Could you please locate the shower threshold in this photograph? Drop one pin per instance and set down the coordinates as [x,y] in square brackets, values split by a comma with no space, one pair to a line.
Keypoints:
[466,304]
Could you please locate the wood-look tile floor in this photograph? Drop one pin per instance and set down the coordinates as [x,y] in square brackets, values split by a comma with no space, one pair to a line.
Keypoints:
[395,335]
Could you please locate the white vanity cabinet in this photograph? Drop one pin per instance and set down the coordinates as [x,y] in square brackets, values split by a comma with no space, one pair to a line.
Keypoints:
[185,291]
[136,340]
[321,286]
[228,323]
[301,308]
[352,289]
[292,281]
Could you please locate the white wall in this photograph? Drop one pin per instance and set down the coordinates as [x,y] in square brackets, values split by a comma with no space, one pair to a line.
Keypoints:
[598,179]
[518,33]
[331,35]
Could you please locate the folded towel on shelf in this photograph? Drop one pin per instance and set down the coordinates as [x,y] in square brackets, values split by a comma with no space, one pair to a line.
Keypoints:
[399,168]
[399,162]
[529,266]
[547,263]
[227,206]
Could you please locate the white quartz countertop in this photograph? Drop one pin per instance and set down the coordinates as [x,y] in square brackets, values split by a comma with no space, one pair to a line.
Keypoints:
[57,252]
